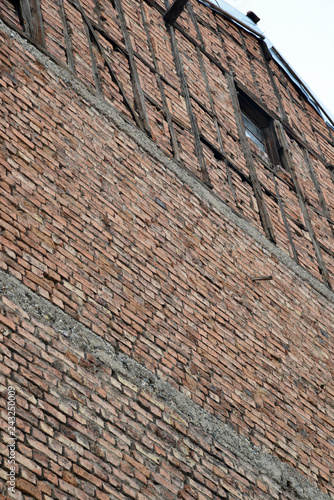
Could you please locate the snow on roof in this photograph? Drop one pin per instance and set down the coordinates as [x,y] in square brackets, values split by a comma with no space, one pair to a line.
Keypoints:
[246,23]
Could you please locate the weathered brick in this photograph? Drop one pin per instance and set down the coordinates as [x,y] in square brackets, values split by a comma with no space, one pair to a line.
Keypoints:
[28,488]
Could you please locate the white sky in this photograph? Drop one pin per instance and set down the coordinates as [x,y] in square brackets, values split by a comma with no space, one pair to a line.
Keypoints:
[303,32]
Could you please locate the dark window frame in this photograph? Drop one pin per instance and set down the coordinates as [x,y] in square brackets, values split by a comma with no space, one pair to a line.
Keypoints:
[260,128]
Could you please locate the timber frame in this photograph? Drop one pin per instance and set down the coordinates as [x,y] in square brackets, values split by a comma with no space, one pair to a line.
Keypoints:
[137,102]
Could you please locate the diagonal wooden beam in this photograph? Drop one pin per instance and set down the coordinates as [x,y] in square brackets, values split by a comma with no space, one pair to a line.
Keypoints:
[288,163]
[285,219]
[174,11]
[213,114]
[166,111]
[67,37]
[138,93]
[96,76]
[186,95]
[95,37]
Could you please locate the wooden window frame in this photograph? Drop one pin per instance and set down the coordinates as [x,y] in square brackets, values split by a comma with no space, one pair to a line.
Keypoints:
[264,123]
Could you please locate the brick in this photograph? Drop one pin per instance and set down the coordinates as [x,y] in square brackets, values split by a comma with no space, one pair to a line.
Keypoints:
[6,321]
[69,478]
[29,464]
[28,488]
[72,490]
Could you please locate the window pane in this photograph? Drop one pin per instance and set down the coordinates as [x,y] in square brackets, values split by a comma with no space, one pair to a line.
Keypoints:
[256,140]
[254,132]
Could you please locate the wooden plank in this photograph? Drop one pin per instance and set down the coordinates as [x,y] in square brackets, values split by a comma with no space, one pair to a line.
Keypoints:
[27,20]
[137,90]
[30,15]
[32,21]
[126,101]
[67,37]
[285,220]
[97,81]
[262,278]
[174,11]
[288,163]
[38,27]
[186,96]
[263,212]
[166,111]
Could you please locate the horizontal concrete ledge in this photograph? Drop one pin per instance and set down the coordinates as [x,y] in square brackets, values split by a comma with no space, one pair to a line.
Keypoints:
[187,177]
[285,477]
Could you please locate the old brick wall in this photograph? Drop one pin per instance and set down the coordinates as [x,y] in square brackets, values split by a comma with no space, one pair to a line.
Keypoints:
[92,424]
[113,235]
[173,82]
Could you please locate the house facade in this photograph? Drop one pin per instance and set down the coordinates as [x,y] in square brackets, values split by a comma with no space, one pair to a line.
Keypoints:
[167,257]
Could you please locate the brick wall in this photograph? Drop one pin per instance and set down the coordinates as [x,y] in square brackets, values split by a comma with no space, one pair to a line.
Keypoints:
[172,82]
[95,425]
[108,229]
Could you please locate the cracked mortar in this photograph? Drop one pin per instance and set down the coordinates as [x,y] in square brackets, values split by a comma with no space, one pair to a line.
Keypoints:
[286,478]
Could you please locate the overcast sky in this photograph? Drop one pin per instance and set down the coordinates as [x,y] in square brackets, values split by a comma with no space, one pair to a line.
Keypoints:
[303,32]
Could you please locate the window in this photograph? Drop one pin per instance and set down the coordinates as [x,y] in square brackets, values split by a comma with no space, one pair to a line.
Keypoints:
[254,132]
[260,129]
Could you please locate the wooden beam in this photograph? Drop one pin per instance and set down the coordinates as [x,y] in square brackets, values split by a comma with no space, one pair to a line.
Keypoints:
[32,20]
[288,163]
[107,62]
[27,21]
[285,220]
[263,212]
[262,278]
[95,70]
[186,96]
[200,56]
[155,5]
[322,201]
[137,90]
[67,37]
[175,146]
[174,11]
[35,6]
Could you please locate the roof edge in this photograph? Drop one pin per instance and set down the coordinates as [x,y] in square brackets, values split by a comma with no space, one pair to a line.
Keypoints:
[235,15]
[246,23]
